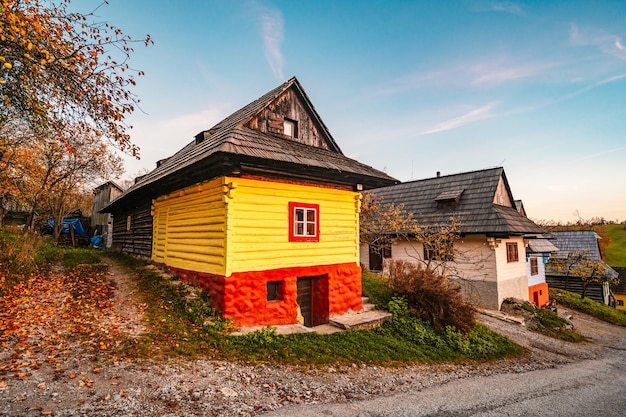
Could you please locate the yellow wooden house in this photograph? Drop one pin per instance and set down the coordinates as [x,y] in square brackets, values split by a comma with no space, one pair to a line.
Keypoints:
[262,210]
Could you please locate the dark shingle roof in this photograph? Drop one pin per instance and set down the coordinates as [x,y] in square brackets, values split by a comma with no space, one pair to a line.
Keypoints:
[230,140]
[475,210]
[579,241]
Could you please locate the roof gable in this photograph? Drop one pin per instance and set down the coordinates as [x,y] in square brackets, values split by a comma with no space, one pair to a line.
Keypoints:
[483,202]
[251,141]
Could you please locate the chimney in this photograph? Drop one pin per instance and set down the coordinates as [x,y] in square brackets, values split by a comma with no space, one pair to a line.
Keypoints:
[438,174]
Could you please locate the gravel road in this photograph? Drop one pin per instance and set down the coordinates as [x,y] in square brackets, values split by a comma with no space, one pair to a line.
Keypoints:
[81,387]
[583,380]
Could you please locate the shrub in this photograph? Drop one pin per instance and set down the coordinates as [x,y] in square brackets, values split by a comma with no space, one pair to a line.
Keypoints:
[24,252]
[431,297]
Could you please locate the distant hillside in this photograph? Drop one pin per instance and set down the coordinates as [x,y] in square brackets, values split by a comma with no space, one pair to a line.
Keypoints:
[616,252]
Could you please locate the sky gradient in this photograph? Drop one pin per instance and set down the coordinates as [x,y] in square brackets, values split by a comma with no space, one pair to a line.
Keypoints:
[409,87]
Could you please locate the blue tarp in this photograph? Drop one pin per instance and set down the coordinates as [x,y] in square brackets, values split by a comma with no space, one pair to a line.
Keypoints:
[76,224]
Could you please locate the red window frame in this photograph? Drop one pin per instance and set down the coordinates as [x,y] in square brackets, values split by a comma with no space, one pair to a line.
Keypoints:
[294,221]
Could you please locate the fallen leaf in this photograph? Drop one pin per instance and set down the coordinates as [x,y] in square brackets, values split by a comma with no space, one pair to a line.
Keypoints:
[42,385]
[108,397]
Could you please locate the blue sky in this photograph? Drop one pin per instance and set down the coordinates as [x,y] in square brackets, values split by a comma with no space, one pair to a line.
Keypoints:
[410,87]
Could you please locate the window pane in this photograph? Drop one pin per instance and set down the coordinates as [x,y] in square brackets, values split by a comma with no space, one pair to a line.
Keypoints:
[310,229]
[299,229]
[300,215]
[310,216]
[288,127]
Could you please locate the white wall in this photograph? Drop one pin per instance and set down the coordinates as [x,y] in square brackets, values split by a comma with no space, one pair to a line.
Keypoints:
[540,278]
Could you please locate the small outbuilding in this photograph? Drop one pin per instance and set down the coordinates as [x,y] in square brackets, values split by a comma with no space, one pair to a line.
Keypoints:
[262,210]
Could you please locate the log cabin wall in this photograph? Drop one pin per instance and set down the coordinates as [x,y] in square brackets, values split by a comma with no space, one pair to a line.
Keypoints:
[289,106]
[132,230]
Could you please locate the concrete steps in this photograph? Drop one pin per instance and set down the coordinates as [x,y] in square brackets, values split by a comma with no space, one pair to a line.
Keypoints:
[368,318]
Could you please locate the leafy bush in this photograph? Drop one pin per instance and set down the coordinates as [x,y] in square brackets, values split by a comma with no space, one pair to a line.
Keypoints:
[431,297]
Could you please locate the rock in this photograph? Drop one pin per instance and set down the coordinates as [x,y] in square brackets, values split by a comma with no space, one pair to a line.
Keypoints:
[228,392]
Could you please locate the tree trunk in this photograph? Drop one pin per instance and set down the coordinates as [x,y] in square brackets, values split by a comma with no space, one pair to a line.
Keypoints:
[584,293]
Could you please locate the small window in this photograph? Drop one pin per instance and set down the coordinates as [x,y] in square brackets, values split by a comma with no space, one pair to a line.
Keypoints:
[534,267]
[619,303]
[128,220]
[511,252]
[274,290]
[386,251]
[290,128]
[304,222]
[443,251]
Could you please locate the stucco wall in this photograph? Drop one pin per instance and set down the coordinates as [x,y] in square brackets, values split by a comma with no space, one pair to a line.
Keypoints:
[541,269]
[512,276]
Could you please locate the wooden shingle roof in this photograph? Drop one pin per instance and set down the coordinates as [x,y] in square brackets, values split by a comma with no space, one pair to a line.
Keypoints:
[579,241]
[476,212]
[232,148]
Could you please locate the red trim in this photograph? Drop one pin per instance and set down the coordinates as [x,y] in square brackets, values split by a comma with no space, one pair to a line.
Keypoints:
[292,226]
[242,296]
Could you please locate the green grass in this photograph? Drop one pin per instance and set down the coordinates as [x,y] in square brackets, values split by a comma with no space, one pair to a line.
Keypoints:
[588,306]
[375,287]
[74,256]
[178,326]
[616,252]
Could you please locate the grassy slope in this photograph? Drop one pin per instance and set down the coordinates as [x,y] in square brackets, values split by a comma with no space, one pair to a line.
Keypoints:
[616,253]
[588,306]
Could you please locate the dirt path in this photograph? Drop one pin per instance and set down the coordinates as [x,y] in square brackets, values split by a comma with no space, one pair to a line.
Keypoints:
[81,384]
[126,305]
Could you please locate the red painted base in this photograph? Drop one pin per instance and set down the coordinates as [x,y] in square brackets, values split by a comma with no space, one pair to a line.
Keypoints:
[538,294]
[242,296]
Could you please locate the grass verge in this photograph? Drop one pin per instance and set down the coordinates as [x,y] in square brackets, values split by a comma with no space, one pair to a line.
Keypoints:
[183,325]
[588,306]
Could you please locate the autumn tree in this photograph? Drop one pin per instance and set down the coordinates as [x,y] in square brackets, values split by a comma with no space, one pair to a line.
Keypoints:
[582,265]
[381,223]
[424,280]
[62,70]
[52,173]
[13,136]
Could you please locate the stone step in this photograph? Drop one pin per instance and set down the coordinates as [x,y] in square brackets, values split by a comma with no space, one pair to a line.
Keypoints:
[368,307]
[365,300]
[361,321]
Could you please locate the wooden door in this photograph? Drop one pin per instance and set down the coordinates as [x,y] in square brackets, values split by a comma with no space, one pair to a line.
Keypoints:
[312,297]
[376,259]
[304,298]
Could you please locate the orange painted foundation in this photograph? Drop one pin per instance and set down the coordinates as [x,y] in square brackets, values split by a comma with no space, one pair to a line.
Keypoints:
[538,294]
[242,296]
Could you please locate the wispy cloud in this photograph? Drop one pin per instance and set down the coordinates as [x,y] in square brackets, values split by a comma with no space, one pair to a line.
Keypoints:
[480,113]
[608,43]
[592,86]
[485,72]
[272,30]
[499,6]
[500,72]
[508,7]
